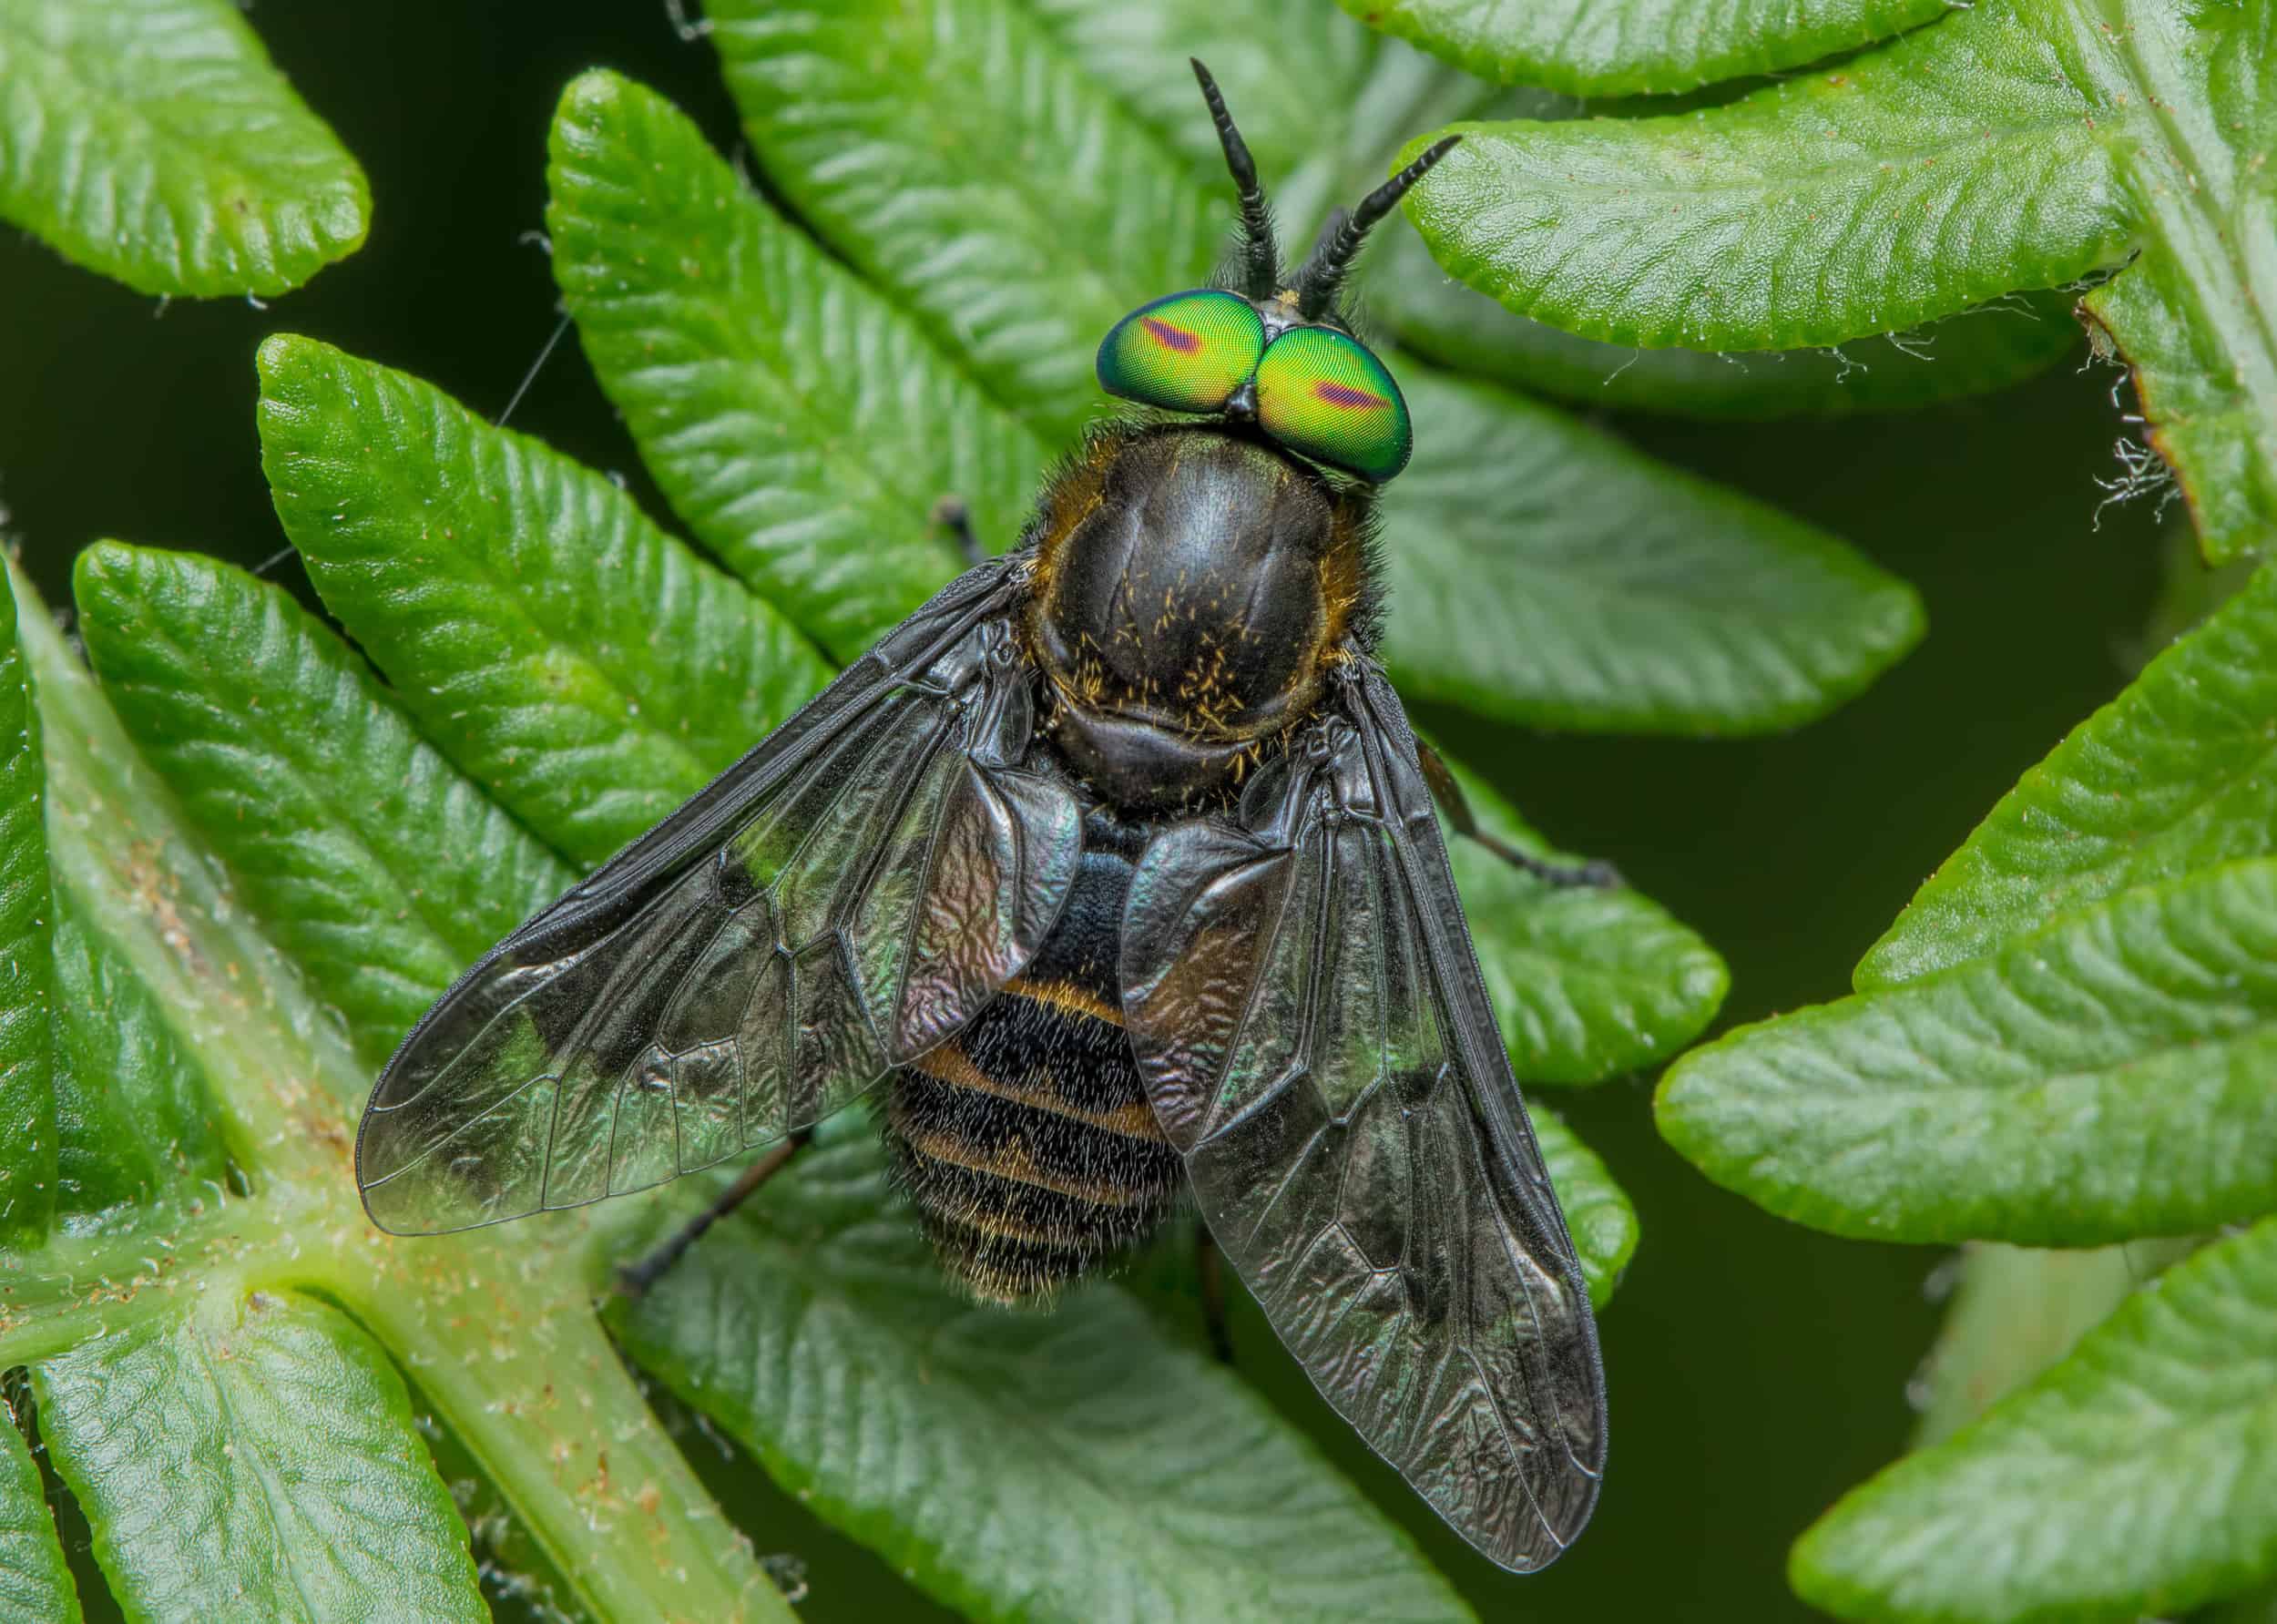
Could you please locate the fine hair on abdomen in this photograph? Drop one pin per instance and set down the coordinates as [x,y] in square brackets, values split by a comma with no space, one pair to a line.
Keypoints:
[1026,1143]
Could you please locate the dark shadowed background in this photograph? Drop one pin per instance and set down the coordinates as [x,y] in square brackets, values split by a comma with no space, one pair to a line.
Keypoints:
[1756,1370]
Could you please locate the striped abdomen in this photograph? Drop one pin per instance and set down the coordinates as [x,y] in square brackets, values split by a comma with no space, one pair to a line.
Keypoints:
[1026,1142]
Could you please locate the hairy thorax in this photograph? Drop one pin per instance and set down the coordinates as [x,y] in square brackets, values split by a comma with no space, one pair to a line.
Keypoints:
[1192,589]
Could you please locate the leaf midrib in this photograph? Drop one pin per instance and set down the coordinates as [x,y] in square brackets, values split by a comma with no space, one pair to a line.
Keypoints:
[1765,179]
[1599,594]
[150,132]
[870,482]
[1011,180]
[839,450]
[344,820]
[2007,850]
[226,1409]
[979,136]
[74,1286]
[858,478]
[1690,59]
[2123,852]
[303,1227]
[2185,214]
[496,472]
[2049,1081]
[1012,1420]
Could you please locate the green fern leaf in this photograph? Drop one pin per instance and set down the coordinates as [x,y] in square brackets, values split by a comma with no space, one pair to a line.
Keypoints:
[152,141]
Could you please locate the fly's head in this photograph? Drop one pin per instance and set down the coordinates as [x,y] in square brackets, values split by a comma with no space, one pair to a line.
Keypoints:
[1274,351]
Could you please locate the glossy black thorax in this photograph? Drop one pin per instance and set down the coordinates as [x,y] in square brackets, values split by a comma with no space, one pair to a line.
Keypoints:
[1193,586]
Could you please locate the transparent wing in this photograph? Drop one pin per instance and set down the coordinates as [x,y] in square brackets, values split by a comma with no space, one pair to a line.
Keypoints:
[838,902]
[1308,1015]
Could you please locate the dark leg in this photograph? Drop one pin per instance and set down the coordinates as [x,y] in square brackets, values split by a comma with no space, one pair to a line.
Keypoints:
[1210,1263]
[1451,799]
[952,515]
[634,1279]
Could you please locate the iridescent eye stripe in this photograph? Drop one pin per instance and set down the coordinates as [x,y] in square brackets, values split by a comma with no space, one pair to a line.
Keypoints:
[1177,338]
[1188,353]
[1340,395]
[1321,393]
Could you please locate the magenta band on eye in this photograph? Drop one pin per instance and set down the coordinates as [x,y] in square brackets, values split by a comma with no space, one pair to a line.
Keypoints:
[1188,353]
[1340,394]
[1325,395]
[1178,337]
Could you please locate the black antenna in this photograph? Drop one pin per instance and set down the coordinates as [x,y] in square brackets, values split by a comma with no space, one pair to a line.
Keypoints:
[1323,273]
[1329,228]
[1261,257]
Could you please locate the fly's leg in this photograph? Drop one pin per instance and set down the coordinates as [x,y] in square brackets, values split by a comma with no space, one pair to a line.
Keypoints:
[1209,1264]
[633,1280]
[1457,808]
[951,513]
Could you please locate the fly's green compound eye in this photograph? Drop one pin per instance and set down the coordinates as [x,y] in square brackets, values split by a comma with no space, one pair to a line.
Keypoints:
[1188,353]
[1325,396]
